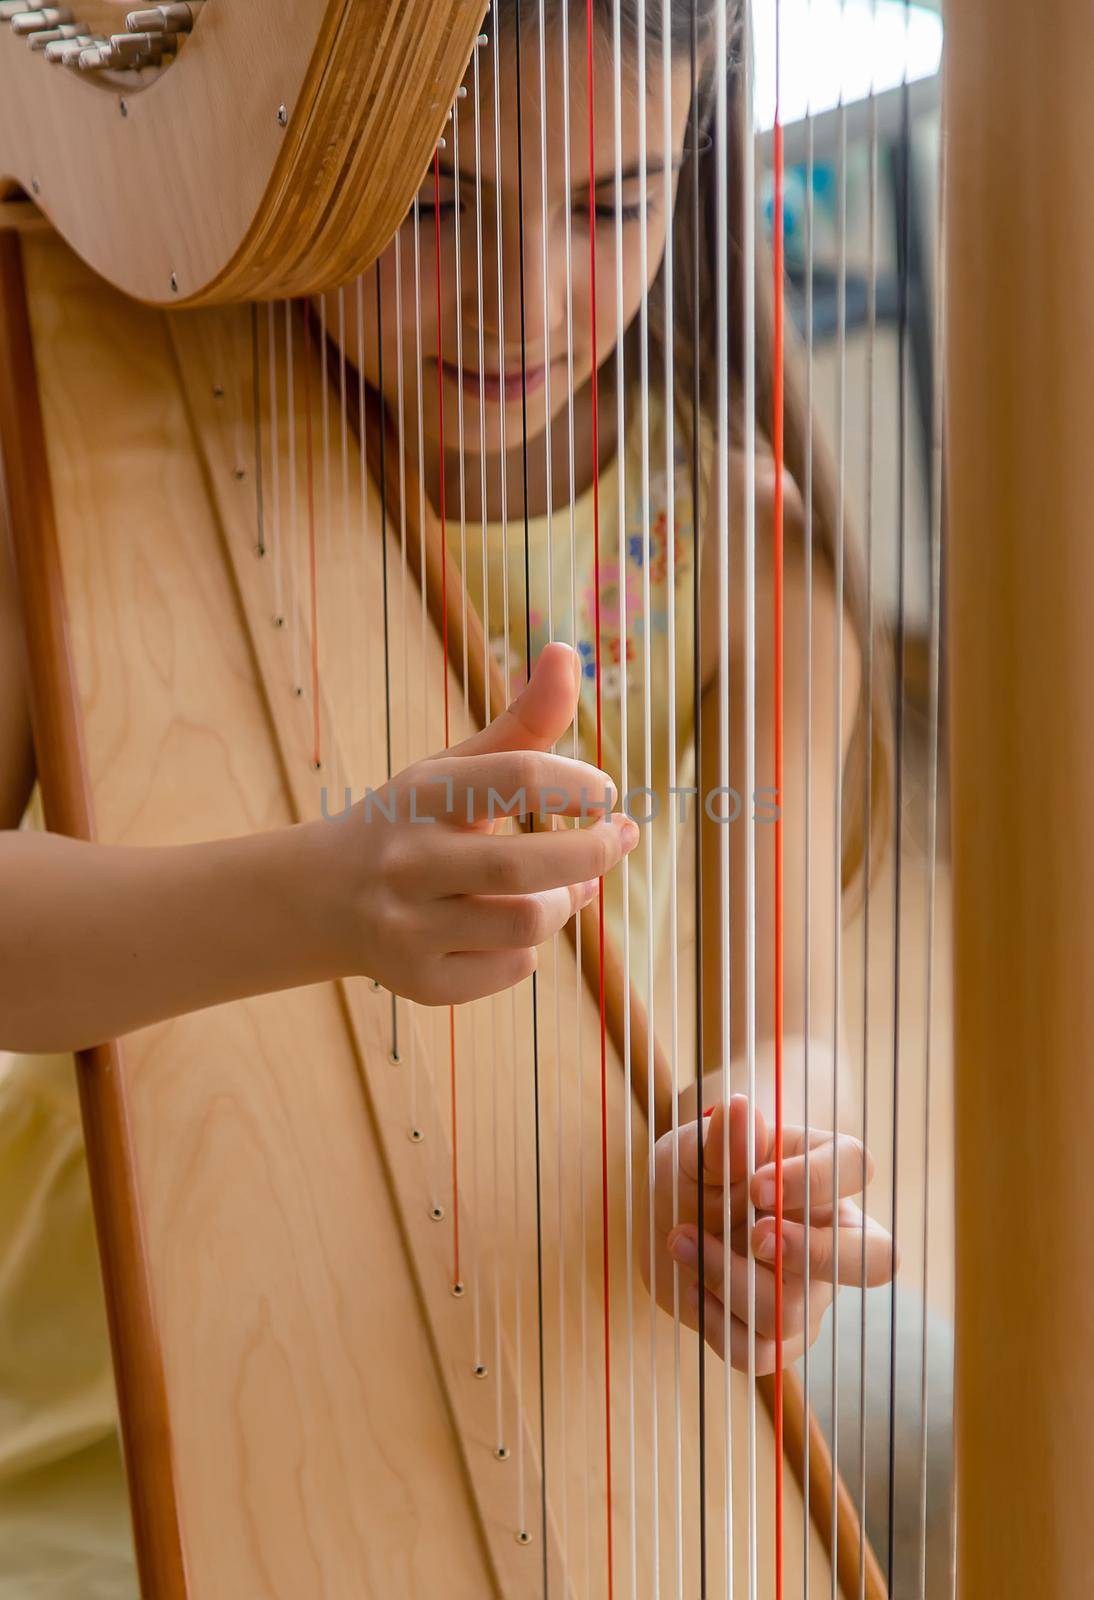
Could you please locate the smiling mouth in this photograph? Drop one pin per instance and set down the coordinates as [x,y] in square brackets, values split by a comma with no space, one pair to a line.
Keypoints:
[493,387]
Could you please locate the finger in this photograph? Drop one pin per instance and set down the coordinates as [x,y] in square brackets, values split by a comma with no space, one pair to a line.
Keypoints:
[738,1137]
[760,1305]
[509,783]
[714,1141]
[740,1340]
[472,975]
[529,863]
[540,714]
[841,1166]
[861,1256]
[683,1246]
[510,922]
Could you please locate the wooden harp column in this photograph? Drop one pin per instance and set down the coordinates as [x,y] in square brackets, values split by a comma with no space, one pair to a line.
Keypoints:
[1020,418]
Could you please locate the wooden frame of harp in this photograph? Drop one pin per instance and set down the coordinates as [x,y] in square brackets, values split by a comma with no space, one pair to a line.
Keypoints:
[224,544]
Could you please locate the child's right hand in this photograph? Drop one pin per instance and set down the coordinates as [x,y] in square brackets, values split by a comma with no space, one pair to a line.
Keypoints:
[445,909]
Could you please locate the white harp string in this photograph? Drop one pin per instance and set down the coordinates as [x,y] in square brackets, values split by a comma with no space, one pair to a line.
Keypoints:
[721,224]
[668,180]
[871,441]
[624,769]
[837,841]
[938,461]
[583,1245]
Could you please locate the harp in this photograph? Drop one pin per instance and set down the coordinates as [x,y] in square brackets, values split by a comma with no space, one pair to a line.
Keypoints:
[371,1268]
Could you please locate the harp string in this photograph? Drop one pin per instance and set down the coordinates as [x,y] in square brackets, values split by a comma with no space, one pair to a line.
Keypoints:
[500,1447]
[528,674]
[313,574]
[256,431]
[275,463]
[723,577]
[326,656]
[294,507]
[697,697]
[903,268]
[807,783]
[871,427]
[837,842]
[583,1240]
[938,452]
[346,644]
[506,658]
[647,776]
[473,1010]
[369,677]
[777,630]
[594,398]
[670,585]
[749,313]
[456,1285]
[428,738]
[624,767]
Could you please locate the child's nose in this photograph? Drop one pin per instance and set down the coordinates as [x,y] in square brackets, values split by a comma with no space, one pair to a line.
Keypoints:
[537,285]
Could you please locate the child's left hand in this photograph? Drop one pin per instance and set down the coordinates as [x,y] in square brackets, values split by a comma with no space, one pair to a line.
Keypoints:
[829,1222]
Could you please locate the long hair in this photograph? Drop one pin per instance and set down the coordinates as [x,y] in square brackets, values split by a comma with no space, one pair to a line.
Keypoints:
[692,24]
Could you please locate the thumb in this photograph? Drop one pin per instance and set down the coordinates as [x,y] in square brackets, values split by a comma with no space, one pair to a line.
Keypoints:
[540,714]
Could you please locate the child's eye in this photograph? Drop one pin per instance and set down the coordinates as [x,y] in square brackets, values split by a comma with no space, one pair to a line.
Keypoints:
[447,208]
[628,213]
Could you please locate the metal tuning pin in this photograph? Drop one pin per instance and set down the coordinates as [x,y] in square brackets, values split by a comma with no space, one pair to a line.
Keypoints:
[90,58]
[139,49]
[65,52]
[174,18]
[38,41]
[125,52]
[34,21]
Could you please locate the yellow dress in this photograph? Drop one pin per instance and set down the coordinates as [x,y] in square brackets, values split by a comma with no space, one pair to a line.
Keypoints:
[561,604]
[64,1523]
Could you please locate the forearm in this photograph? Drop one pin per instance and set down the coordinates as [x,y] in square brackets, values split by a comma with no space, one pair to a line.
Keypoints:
[98,940]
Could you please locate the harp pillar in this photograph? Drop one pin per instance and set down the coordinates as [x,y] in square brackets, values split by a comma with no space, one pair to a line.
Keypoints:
[1020,118]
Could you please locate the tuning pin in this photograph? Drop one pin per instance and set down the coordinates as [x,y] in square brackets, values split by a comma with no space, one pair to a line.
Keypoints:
[38,41]
[90,58]
[33,21]
[66,52]
[173,18]
[129,49]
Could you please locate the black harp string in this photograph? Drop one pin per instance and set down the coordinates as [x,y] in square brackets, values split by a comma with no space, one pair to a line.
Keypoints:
[383,564]
[697,696]
[903,230]
[256,423]
[531,819]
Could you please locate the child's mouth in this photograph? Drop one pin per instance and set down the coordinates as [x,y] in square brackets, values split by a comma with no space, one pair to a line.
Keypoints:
[493,387]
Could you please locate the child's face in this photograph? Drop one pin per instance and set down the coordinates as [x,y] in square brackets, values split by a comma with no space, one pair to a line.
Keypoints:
[547,325]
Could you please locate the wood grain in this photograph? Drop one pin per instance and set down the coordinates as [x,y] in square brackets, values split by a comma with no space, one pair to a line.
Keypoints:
[199,182]
[493,1041]
[1020,411]
[59,754]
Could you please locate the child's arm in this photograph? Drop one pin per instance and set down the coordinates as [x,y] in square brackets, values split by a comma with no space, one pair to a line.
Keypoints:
[98,940]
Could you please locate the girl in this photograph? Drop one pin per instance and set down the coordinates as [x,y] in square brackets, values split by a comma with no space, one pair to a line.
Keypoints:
[539,438]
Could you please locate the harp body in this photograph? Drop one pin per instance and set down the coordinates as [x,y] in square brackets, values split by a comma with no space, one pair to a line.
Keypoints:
[299,1404]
